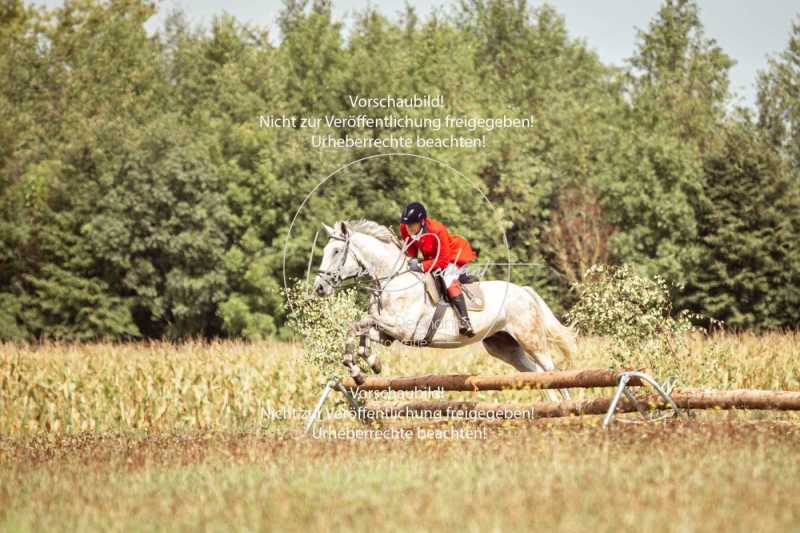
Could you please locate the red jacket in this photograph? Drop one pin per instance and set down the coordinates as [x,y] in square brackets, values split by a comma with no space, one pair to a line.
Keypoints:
[454,249]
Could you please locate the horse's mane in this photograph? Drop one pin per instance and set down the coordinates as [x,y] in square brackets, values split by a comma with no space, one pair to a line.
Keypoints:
[373,229]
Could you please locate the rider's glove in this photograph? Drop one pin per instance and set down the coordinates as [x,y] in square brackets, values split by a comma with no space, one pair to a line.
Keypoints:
[414,266]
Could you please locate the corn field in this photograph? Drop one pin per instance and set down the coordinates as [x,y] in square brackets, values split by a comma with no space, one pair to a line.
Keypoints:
[237,386]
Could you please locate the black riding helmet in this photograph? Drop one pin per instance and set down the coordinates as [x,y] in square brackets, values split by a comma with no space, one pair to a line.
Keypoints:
[414,212]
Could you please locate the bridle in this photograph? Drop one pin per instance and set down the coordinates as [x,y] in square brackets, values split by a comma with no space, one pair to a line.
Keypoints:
[334,277]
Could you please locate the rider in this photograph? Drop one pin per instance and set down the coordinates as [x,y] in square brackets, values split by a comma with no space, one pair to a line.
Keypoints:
[443,255]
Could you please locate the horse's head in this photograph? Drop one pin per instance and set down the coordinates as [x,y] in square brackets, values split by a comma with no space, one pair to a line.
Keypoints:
[339,260]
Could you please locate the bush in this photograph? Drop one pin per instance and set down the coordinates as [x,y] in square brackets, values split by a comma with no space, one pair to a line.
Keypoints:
[635,314]
[322,324]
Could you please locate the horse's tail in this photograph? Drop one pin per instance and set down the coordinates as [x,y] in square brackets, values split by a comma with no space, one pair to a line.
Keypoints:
[563,337]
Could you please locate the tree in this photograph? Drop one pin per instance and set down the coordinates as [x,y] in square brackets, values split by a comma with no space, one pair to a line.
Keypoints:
[779,98]
[577,237]
[678,77]
[140,196]
[749,220]
[79,78]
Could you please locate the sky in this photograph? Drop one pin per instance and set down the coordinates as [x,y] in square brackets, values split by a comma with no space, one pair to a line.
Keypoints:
[749,31]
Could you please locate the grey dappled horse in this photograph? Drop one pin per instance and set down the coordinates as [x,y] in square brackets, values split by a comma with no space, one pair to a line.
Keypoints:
[515,326]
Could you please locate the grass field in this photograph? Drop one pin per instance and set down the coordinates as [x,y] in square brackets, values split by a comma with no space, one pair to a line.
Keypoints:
[161,436]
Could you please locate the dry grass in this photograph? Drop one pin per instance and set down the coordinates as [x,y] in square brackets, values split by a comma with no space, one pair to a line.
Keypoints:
[703,476]
[161,436]
[234,386]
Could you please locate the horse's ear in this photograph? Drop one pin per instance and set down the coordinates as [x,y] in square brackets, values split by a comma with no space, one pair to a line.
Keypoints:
[343,229]
[330,230]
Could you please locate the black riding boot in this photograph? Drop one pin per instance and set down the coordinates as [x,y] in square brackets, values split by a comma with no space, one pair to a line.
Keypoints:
[460,305]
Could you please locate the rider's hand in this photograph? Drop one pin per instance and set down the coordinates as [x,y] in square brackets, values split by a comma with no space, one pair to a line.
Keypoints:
[414,266]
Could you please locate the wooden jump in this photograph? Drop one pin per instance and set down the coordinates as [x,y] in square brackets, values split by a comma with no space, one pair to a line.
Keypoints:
[686,399]
[563,379]
[737,399]
[676,399]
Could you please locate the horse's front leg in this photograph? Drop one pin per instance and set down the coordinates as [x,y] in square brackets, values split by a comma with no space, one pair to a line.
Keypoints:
[356,329]
[385,327]
[364,350]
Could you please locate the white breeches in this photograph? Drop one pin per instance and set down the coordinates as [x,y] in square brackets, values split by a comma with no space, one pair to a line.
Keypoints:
[450,274]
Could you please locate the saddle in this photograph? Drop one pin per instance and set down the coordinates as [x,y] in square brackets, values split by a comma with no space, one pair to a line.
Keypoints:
[473,294]
[436,292]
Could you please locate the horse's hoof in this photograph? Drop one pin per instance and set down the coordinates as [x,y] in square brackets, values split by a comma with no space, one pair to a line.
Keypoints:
[359,379]
[374,363]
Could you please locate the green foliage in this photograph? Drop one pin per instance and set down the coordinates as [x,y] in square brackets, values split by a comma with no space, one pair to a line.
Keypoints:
[323,323]
[635,313]
[140,198]
[680,77]
[647,195]
[749,222]
[66,306]
[778,101]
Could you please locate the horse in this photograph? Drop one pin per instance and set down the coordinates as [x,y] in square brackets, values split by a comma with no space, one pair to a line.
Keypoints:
[515,325]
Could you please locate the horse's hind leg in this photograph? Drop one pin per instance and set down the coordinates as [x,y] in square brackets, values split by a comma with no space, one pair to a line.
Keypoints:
[534,343]
[503,346]
[506,348]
